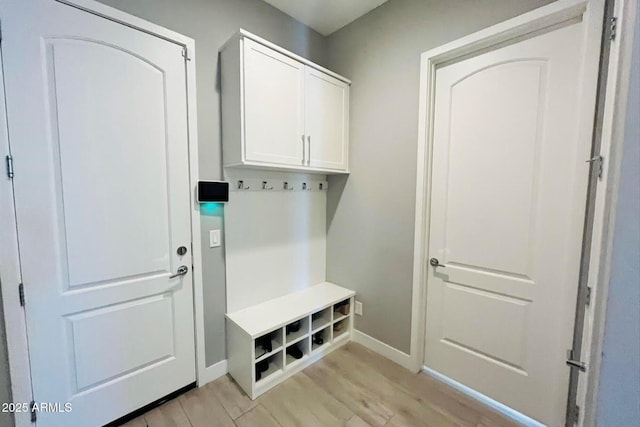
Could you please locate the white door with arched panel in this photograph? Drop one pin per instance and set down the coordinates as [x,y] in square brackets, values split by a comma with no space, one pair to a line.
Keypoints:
[508,193]
[97,117]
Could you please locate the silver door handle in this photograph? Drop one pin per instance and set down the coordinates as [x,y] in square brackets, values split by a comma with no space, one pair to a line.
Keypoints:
[435,263]
[182,270]
[309,156]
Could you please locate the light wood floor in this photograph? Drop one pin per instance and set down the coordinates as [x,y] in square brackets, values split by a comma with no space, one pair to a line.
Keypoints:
[351,387]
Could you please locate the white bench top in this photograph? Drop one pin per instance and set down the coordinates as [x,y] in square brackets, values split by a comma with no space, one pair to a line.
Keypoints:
[261,318]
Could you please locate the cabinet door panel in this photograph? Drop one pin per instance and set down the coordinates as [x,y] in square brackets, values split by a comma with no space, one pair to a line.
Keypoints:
[326,118]
[273,106]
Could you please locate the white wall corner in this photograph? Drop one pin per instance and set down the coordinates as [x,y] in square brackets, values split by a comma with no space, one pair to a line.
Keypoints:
[213,372]
[393,354]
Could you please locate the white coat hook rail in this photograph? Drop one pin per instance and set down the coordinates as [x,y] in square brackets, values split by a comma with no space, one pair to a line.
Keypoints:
[281,184]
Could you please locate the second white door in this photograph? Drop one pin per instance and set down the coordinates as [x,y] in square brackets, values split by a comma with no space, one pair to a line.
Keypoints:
[509,183]
[97,116]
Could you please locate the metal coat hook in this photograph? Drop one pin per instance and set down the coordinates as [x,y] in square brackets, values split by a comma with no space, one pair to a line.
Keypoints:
[241,185]
[266,186]
[287,186]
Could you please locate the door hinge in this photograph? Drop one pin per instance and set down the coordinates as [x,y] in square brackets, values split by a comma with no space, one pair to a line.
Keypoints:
[9,162]
[574,415]
[597,162]
[21,294]
[581,366]
[34,416]
[185,53]
[613,28]
[587,297]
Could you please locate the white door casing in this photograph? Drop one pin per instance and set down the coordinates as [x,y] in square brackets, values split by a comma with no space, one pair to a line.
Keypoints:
[508,192]
[98,122]
[326,120]
[273,105]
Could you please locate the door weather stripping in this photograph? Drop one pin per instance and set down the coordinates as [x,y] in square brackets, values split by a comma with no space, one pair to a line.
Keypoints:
[597,162]
[9,162]
[581,366]
[185,53]
[21,294]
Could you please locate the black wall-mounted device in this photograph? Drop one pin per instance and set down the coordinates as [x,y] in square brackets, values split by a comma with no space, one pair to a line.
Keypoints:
[213,191]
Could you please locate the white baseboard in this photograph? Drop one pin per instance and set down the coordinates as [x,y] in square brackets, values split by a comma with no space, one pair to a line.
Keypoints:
[213,372]
[393,354]
[485,400]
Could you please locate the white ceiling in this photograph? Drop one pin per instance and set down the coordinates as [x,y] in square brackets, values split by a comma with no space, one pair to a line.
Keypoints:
[326,16]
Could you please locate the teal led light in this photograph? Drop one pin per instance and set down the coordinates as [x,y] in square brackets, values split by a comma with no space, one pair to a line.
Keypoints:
[211,208]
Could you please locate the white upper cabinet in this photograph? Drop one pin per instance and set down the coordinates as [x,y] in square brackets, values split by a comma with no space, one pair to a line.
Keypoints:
[326,115]
[280,111]
[273,106]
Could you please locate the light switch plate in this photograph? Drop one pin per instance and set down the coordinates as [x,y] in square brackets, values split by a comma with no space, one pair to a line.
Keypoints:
[214,238]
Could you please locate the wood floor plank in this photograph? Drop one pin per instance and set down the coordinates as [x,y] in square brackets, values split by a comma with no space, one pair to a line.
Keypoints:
[408,408]
[351,387]
[136,422]
[356,421]
[170,414]
[203,409]
[300,402]
[231,396]
[493,421]
[448,399]
[257,417]
[366,404]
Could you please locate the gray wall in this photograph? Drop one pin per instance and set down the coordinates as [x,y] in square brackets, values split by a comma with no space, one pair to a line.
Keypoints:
[210,23]
[371,213]
[619,394]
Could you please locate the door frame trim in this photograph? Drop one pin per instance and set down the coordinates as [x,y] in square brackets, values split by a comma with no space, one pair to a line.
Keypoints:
[591,11]
[15,325]
[613,127]
[14,315]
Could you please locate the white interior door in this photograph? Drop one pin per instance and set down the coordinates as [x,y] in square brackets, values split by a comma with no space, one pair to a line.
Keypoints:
[98,129]
[507,209]
[326,120]
[273,106]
